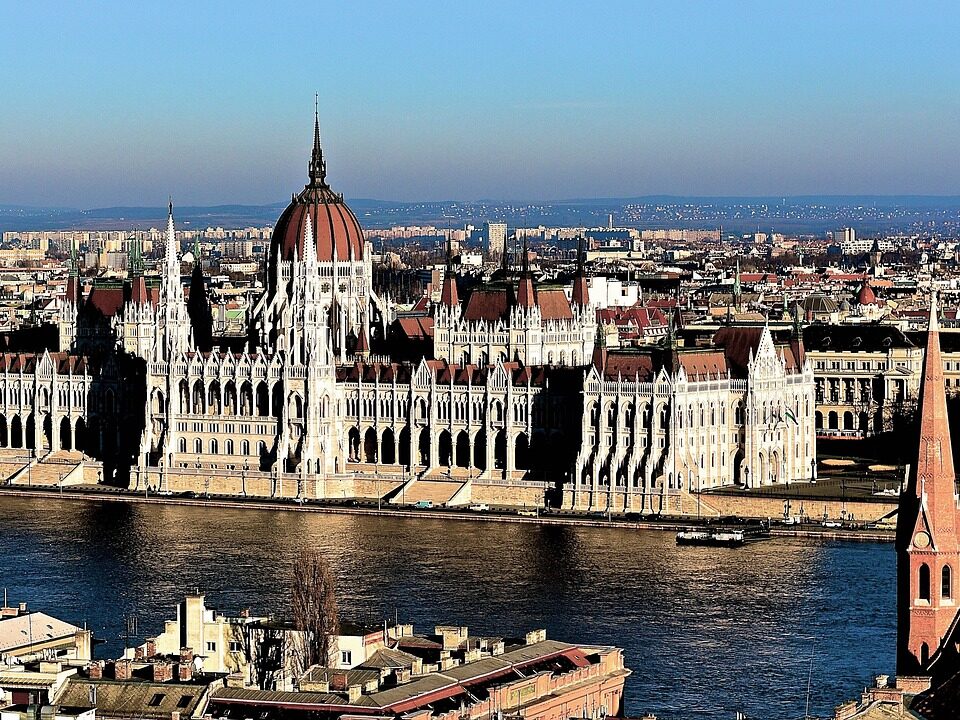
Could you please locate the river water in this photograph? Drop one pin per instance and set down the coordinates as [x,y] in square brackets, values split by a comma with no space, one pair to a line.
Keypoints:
[706,631]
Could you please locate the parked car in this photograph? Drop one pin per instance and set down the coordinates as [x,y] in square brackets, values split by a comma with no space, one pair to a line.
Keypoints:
[423,504]
[480,507]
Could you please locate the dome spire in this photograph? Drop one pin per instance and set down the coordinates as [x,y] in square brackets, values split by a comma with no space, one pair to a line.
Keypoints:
[318,167]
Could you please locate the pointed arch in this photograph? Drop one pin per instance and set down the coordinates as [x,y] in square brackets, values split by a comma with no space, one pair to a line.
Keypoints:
[444,447]
[463,449]
[423,446]
[184,388]
[480,450]
[500,450]
[229,398]
[276,399]
[370,446]
[246,399]
[353,445]
[16,432]
[388,453]
[80,434]
[403,447]
[263,399]
[214,406]
[198,398]
[923,582]
[521,452]
[66,440]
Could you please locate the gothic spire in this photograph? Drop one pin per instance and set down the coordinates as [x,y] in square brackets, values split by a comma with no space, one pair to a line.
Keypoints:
[74,263]
[196,250]
[579,292]
[318,166]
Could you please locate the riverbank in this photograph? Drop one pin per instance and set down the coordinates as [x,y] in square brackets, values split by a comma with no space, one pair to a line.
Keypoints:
[102,494]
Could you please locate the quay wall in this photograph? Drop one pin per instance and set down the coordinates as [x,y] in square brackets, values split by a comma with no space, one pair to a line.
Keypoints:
[765,506]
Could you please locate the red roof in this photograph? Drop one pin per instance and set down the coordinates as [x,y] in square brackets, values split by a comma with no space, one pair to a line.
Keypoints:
[490,305]
[108,300]
[866,296]
[334,225]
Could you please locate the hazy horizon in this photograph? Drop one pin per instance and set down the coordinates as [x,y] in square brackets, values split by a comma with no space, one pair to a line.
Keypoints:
[121,104]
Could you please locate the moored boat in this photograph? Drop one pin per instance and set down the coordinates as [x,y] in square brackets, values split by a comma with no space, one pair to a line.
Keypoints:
[711,538]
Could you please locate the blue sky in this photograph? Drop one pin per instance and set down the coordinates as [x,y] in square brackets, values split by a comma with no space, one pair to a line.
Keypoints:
[123,103]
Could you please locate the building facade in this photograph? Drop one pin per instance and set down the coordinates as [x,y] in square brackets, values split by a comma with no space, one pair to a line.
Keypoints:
[661,423]
[514,406]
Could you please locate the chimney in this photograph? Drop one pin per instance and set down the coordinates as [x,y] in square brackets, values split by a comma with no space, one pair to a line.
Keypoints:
[150,647]
[162,671]
[186,655]
[535,636]
[353,693]
[175,715]
[185,672]
[138,653]
[338,682]
[122,669]
[95,670]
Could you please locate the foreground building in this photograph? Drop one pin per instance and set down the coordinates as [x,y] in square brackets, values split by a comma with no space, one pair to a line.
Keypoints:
[515,405]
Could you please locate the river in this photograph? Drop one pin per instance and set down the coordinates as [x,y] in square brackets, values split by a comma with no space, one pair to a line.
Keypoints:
[706,631]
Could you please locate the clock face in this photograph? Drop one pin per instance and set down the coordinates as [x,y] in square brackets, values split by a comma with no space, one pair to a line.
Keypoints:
[921,539]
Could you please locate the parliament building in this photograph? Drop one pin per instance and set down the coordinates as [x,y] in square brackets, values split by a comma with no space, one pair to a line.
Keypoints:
[519,403]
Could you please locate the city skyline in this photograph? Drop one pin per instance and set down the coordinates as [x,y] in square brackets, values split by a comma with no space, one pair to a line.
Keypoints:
[450,103]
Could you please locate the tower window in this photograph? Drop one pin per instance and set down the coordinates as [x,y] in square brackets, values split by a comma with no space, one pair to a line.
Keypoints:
[923,578]
[946,589]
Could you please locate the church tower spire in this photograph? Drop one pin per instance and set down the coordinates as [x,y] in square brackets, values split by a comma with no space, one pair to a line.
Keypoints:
[928,552]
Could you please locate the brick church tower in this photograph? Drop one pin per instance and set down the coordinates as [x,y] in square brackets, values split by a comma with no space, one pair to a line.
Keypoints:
[928,554]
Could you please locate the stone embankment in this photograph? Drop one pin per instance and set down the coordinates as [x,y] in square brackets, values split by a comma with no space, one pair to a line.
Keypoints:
[95,493]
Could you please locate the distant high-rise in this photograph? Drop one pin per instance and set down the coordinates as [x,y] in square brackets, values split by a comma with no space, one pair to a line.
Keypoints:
[494,239]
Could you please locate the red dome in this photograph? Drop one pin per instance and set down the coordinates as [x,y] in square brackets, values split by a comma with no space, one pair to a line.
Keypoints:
[866,296]
[334,224]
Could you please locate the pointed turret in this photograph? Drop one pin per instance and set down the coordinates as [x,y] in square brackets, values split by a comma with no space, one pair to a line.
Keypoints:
[363,342]
[928,552]
[173,320]
[138,290]
[526,293]
[198,304]
[448,293]
[580,293]
[600,350]
[73,279]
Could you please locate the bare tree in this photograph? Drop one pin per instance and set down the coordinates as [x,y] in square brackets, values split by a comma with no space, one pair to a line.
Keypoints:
[314,602]
[264,648]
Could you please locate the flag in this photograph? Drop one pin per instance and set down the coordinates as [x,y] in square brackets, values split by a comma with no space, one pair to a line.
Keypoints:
[792,417]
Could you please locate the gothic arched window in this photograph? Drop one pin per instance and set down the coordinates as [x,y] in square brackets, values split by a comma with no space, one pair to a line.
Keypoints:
[923,583]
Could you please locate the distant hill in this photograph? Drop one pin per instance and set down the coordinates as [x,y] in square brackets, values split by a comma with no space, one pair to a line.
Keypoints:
[797,214]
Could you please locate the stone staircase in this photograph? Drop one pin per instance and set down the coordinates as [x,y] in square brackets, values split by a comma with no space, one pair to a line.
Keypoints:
[436,492]
[62,468]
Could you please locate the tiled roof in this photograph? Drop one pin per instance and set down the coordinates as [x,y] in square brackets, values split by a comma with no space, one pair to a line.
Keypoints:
[24,630]
[134,698]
